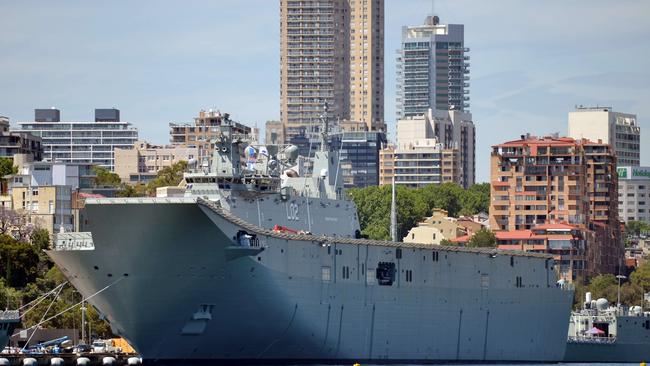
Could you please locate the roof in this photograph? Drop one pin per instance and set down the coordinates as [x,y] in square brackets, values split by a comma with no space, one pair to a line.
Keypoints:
[461,239]
[91,195]
[514,234]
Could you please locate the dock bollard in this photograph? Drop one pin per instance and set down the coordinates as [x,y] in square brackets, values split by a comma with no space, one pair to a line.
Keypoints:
[4,362]
[108,361]
[56,361]
[29,361]
[83,361]
[133,361]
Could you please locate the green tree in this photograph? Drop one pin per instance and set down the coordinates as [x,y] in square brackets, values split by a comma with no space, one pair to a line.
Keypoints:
[604,286]
[168,176]
[641,277]
[40,238]
[105,178]
[483,238]
[636,227]
[445,196]
[18,261]
[137,190]
[447,243]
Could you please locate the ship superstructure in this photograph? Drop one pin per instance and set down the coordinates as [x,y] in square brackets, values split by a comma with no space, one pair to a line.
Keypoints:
[257,264]
[603,333]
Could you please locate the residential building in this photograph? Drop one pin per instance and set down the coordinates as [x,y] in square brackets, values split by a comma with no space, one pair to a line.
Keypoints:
[453,130]
[331,52]
[12,143]
[420,163]
[432,69]
[46,173]
[386,165]
[201,133]
[274,133]
[634,193]
[439,226]
[46,206]
[620,130]
[143,161]
[552,180]
[89,142]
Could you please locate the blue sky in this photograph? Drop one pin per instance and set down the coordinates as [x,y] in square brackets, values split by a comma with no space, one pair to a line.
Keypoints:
[162,61]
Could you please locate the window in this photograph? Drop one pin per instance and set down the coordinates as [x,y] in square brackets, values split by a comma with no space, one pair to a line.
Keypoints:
[518,282]
[435,256]
[326,274]
[409,275]
[346,272]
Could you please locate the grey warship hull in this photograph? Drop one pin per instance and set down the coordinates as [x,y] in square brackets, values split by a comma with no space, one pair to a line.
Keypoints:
[172,278]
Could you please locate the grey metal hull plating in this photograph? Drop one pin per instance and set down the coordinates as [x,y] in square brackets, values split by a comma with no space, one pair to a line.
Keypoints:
[165,262]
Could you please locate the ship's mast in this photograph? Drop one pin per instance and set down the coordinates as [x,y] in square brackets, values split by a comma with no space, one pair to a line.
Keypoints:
[324,128]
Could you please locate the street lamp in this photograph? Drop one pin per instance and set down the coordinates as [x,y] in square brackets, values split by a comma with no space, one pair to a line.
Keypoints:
[619,277]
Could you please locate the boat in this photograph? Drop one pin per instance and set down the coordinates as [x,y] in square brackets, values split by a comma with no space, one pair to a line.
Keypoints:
[603,333]
[9,319]
[206,278]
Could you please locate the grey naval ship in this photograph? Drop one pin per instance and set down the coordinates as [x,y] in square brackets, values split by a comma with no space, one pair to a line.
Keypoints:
[258,264]
[603,333]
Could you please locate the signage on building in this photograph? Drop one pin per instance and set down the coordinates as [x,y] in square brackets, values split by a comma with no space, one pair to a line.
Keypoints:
[633,172]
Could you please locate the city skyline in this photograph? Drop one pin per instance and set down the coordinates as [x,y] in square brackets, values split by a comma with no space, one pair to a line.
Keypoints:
[159,62]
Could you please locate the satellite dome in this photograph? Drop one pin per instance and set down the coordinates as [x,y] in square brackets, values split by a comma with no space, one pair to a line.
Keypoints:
[602,304]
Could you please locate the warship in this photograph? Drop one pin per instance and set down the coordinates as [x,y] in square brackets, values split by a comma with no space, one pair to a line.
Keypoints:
[603,333]
[256,263]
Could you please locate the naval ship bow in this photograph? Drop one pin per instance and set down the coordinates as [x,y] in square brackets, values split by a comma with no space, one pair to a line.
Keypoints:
[260,263]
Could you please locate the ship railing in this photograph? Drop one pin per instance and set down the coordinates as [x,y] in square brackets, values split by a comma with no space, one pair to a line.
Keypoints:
[9,315]
[593,340]
[73,241]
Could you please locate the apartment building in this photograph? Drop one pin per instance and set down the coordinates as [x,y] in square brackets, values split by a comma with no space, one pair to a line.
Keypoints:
[419,163]
[142,163]
[46,206]
[552,180]
[12,143]
[200,134]
[619,130]
[452,130]
[331,52]
[634,193]
[432,68]
[90,142]
[359,156]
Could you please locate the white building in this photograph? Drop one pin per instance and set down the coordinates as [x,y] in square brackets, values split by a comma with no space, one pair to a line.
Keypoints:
[143,161]
[432,68]
[89,142]
[620,130]
[634,193]
[451,128]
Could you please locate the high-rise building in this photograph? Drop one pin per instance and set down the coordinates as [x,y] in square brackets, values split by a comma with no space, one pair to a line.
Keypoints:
[143,161]
[419,163]
[432,68]
[551,180]
[634,193]
[452,129]
[331,52]
[201,133]
[367,63]
[620,130]
[80,142]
